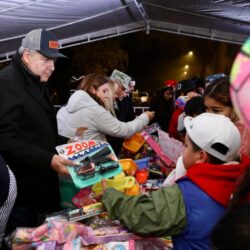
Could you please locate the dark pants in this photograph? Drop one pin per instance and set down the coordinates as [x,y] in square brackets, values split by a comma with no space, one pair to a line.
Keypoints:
[25,216]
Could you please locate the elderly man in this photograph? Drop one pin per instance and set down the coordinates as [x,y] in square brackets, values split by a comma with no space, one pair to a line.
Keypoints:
[28,129]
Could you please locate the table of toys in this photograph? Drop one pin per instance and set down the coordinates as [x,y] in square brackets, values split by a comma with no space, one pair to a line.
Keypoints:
[83,223]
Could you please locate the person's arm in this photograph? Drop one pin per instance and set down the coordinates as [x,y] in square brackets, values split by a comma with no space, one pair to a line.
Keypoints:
[12,146]
[160,213]
[109,125]
[62,140]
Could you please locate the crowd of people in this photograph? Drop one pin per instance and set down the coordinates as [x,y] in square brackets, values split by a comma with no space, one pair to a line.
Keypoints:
[198,210]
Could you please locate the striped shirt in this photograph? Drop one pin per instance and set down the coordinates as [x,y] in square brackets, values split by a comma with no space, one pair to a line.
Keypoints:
[6,207]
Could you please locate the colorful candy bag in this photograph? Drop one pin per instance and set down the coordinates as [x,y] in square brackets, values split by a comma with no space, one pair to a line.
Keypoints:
[170,146]
[67,233]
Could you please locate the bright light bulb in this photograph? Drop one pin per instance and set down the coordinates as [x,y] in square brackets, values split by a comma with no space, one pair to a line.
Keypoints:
[190,53]
[185,72]
[186,66]
[144,98]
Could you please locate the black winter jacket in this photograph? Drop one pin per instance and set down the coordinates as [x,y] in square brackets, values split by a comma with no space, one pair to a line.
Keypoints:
[28,136]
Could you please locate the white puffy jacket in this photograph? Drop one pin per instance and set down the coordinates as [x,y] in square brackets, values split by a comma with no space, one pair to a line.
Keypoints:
[83,111]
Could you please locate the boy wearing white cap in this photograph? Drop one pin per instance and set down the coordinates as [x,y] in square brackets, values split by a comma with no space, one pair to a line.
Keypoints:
[189,209]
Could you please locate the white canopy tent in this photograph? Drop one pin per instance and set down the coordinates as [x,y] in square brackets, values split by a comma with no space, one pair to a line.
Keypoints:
[82,21]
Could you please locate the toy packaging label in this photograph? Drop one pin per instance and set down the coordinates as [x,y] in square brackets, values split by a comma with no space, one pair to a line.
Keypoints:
[84,197]
[152,184]
[152,128]
[85,212]
[148,138]
[170,146]
[95,160]
[127,245]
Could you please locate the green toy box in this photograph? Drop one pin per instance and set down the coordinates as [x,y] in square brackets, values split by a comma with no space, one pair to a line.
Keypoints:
[67,190]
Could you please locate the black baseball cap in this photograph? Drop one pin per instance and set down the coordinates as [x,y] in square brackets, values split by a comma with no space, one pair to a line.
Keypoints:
[44,42]
[185,86]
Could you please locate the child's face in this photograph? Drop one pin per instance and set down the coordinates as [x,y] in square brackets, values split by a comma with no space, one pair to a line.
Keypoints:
[168,95]
[190,157]
[213,106]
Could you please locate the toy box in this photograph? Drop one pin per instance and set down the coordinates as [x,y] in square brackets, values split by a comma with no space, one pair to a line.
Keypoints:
[134,143]
[94,159]
[142,163]
[67,190]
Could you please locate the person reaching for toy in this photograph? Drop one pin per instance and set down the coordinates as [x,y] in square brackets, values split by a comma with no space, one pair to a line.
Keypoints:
[211,145]
[85,109]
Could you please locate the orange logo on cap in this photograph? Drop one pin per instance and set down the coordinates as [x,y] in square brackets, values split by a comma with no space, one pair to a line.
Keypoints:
[53,45]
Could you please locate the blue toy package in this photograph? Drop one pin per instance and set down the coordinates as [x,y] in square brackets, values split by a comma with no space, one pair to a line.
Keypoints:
[142,163]
[94,160]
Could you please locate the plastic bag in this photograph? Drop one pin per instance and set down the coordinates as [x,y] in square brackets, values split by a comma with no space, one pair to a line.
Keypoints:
[171,147]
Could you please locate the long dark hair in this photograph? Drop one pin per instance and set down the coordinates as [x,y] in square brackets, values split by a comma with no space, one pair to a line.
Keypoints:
[242,191]
[93,80]
[219,91]
[232,231]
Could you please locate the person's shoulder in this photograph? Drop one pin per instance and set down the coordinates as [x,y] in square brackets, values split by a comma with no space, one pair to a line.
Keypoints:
[6,72]
[99,111]
[93,111]
[4,177]
[9,76]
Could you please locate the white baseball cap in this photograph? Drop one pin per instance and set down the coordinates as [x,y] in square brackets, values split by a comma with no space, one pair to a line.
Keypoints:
[215,134]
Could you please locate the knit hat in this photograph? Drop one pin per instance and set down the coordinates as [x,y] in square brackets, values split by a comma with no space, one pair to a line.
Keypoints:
[42,41]
[215,134]
[122,77]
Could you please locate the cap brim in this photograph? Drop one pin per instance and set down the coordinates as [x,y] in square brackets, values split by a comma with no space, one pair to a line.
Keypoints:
[53,55]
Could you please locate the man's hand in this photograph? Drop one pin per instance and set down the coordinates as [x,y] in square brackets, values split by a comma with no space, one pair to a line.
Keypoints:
[58,163]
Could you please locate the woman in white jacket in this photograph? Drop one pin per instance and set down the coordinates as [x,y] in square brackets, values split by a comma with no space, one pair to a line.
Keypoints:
[85,109]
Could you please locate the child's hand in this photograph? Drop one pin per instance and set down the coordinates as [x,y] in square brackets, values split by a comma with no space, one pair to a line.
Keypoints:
[104,185]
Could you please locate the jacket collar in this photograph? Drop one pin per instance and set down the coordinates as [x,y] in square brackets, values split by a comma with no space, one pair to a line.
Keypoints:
[29,76]
[33,84]
[218,181]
